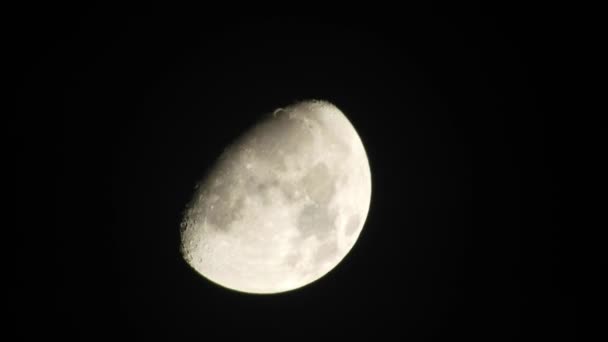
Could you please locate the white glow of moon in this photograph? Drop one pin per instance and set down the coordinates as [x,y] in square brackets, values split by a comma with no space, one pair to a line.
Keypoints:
[283,205]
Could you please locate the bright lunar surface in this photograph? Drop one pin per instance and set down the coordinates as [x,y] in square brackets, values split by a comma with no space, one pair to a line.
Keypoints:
[283,205]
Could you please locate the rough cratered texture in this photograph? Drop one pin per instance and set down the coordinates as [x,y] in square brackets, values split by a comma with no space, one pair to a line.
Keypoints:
[283,204]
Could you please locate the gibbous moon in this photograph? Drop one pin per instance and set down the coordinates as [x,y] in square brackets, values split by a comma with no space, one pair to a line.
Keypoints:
[283,205]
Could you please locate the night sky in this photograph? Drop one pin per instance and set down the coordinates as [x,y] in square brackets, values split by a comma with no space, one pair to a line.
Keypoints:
[465,234]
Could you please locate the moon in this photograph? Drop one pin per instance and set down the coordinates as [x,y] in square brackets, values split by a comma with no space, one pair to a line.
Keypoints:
[283,205]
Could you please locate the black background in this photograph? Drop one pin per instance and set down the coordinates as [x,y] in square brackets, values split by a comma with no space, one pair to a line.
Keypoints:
[457,109]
